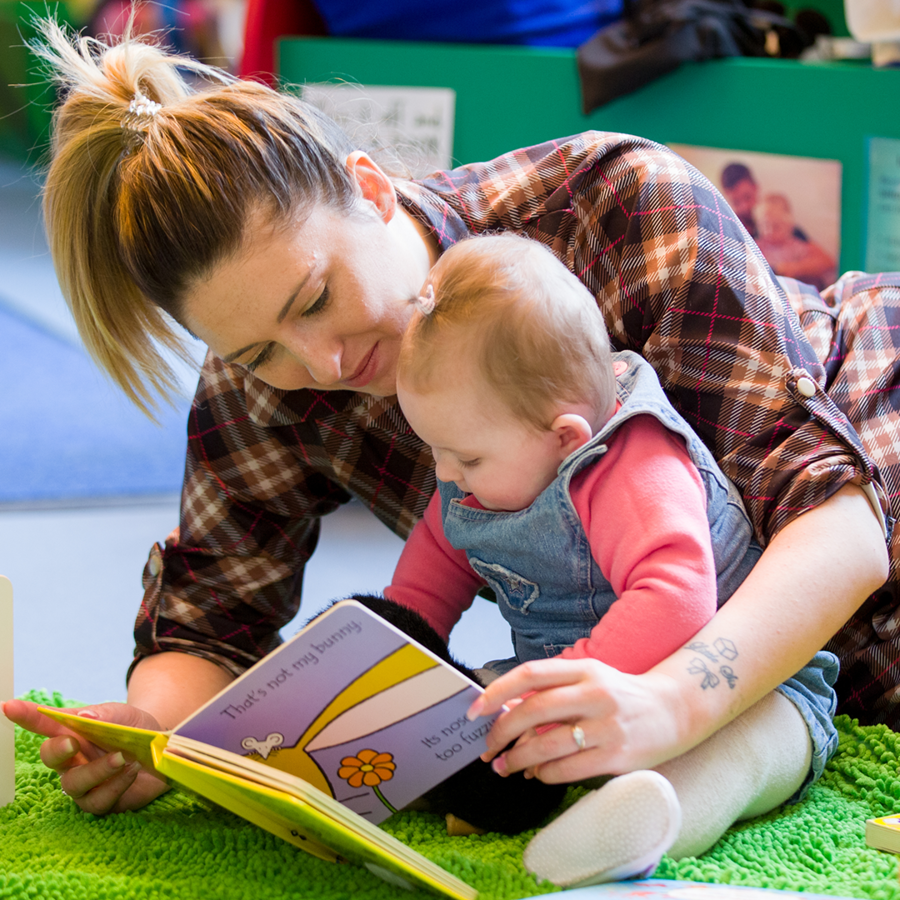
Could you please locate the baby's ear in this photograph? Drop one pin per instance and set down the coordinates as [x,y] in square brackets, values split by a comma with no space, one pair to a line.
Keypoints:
[572,431]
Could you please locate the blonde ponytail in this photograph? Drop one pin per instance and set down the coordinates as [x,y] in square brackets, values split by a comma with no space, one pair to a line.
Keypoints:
[150,184]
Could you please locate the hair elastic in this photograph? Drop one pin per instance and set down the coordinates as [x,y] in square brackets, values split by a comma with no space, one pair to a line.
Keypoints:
[143,106]
[138,116]
[425,301]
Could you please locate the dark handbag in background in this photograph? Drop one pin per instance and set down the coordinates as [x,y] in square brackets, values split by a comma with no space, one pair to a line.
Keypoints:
[656,36]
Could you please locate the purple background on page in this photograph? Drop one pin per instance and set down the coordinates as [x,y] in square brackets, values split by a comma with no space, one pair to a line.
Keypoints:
[418,767]
[290,707]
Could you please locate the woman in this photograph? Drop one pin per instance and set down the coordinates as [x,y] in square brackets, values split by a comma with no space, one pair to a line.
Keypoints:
[250,220]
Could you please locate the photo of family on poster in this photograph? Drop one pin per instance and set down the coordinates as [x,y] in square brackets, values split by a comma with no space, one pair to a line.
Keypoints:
[789,204]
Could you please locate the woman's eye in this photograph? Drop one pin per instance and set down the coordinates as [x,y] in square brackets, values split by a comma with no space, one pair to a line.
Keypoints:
[320,304]
[261,359]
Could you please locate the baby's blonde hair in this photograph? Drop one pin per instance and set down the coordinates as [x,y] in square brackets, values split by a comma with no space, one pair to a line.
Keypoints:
[537,333]
[157,162]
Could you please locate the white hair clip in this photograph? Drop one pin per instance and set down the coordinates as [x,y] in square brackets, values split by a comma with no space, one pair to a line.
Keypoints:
[143,106]
[425,301]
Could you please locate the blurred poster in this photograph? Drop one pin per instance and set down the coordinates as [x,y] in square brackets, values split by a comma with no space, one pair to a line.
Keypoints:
[883,213]
[791,205]
[415,123]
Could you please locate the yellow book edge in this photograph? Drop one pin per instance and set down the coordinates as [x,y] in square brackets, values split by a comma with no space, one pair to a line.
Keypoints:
[275,801]
[883,833]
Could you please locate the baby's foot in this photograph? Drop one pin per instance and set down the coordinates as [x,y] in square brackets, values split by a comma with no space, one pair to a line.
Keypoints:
[617,832]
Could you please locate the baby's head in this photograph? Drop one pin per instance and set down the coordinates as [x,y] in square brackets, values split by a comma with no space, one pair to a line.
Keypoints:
[776,221]
[510,373]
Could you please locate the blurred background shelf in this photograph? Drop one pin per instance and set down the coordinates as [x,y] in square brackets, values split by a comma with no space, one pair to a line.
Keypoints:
[824,110]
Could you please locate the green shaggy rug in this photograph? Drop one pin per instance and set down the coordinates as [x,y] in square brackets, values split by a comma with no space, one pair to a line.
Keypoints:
[181,848]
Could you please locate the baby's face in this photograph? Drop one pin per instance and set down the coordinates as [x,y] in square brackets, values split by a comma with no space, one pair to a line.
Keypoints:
[776,224]
[478,444]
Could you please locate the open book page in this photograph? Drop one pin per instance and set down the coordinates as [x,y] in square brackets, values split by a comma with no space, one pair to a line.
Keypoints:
[304,817]
[272,799]
[353,707]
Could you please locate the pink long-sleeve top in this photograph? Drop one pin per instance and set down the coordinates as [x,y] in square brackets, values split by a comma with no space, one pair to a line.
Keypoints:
[643,507]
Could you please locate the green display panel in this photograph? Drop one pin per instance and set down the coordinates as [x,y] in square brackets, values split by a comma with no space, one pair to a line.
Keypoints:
[26,98]
[508,97]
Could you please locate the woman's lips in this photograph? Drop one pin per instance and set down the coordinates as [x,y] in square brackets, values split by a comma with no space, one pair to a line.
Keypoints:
[366,371]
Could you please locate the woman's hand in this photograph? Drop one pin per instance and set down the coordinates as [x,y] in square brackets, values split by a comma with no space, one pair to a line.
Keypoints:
[612,709]
[813,575]
[98,781]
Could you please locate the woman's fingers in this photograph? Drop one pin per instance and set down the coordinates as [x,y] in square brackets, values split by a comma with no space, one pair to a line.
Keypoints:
[555,756]
[107,796]
[97,780]
[587,697]
[26,714]
[111,785]
[530,676]
[106,773]
[63,748]
[65,751]
[577,719]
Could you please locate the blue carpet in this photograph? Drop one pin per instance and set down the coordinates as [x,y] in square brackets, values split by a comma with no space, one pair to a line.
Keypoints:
[68,434]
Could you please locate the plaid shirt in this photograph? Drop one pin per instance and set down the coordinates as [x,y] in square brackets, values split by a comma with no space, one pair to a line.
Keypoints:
[677,280]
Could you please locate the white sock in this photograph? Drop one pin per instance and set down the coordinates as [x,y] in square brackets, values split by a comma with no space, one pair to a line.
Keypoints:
[745,769]
[619,831]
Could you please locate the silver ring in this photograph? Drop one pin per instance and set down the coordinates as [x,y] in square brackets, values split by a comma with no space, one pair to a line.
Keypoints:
[578,736]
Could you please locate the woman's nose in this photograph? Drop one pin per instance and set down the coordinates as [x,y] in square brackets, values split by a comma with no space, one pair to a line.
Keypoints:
[325,371]
[322,360]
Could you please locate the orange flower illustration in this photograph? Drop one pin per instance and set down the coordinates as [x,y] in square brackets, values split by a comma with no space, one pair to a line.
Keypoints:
[368,768]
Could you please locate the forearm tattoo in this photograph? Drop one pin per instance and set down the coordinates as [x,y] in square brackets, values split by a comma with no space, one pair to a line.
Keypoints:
[712,663]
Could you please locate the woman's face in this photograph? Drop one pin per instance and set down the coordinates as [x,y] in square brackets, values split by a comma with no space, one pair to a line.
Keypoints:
[318,303]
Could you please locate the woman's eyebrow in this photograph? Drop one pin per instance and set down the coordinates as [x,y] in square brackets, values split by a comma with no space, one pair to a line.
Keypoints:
[287,306]
[279,319]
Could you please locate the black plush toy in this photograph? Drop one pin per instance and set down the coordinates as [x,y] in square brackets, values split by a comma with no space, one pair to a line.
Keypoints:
[475,794]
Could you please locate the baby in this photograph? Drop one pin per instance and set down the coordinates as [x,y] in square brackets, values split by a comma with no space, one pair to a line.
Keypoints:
[788,254]
[570,486]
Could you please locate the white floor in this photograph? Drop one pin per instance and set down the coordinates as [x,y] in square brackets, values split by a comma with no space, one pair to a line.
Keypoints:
[76,571]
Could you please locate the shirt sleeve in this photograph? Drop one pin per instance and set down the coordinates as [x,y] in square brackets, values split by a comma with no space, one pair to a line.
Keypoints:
[263,466]
[432,577]
[680,281]
[643,507]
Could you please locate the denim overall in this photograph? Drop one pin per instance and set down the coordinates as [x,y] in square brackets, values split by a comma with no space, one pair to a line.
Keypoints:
[551,591]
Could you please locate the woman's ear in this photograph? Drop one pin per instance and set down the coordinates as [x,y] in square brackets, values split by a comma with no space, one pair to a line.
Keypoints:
[375,186]
[571,431]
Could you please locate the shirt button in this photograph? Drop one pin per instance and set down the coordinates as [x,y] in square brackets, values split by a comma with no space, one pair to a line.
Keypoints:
[806,386]
[154,566]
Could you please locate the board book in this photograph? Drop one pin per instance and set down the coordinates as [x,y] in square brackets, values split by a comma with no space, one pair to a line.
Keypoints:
[883,833]
[341,726]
